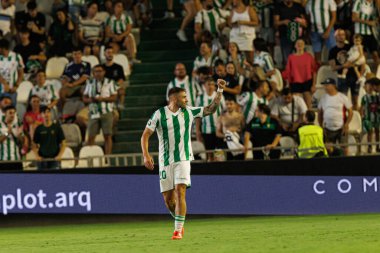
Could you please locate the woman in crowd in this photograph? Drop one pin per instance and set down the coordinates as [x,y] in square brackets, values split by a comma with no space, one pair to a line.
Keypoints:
[61,35]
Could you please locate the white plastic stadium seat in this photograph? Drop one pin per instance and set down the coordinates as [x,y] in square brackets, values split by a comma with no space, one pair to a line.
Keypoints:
[378,71]
[279,81]
[199,148]
[99,139]
[352,150]
[319,92]
[91,151]
[68,154]
[72,134]
[355,126]
[123,61]
[287,142]
[55,67]
[102,15]
[23,92]
[92,59]
[249,152]
[325,72]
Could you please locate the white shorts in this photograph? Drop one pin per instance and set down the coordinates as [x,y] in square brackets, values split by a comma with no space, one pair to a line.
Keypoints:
[176,173]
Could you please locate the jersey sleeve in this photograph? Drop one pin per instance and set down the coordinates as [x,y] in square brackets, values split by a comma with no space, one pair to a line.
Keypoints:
[197,112]
[153,122]
[242,99]
[198,18]
[356,6]
[332,5]
[87,88]
[347,102]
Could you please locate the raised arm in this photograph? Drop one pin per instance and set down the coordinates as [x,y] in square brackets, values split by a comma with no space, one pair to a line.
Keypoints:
[211,108]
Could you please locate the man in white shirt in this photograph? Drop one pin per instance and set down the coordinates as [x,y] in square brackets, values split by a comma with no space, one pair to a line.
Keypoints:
[289,110]
[335,113]
[7,15]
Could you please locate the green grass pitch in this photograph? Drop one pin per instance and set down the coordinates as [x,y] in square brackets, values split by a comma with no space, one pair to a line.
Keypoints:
[306,234]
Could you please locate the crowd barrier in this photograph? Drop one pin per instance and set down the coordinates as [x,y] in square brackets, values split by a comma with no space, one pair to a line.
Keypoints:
[278,187]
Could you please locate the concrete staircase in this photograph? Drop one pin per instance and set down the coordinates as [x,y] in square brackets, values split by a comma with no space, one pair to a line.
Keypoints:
[159,51]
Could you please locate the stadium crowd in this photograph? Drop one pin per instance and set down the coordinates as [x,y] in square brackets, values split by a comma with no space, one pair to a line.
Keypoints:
[269,52]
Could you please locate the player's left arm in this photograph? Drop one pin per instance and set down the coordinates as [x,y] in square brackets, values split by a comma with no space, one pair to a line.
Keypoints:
[211,108]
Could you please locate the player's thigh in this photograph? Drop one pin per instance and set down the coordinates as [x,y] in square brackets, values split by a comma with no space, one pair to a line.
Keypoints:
[166,174]
[182,173]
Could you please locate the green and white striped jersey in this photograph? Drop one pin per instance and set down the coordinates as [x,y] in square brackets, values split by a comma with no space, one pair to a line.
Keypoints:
[211,19]
[319,11]
[104,89]
[366,11]
[370,103]
[249,102]
[9,67]
[174,133]
[9,151]
[264,60]
[188,84]
[118,26]
[219,3]
[209,122]
[200,61]
[46,93]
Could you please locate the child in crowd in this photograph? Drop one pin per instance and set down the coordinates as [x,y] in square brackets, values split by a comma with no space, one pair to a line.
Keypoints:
[356,56]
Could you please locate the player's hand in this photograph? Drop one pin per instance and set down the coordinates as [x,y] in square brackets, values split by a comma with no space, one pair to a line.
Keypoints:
[221,83]
[148,162]
[326,35]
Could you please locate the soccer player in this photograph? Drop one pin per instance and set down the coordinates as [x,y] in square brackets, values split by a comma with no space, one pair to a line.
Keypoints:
[173,123]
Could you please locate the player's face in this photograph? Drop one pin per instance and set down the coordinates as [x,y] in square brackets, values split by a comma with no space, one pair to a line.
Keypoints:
[10,115]
[182,99]
[180,71]
[230,106]
[210,87]
[118,9]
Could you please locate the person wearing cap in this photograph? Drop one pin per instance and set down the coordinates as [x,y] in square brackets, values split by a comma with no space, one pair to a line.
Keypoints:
[334,113]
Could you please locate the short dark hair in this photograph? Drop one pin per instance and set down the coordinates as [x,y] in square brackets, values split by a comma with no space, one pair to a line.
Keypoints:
[218,63]
[44,108]
[286,91]
[9,107]
[230,98]
[40,71]
[4,44]
[4,96]
[115,2]
[260,45]
[205,70]
[76,49]
[31,5]
[99,66]
[310,116]
[264,108]
[175,91]
[207,43]
[92,3]
[24,30]
[373,81]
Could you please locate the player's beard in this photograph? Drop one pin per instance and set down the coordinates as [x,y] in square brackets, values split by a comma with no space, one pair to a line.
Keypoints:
[181,105]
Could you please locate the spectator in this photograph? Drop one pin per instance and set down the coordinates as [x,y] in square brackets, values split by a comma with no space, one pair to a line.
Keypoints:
[7,13]
[33,116]
[11,70]
[250,100]
[322,16]
[5,101]
[263,132]
[232,88]
[91,33]
[31,52]
[169,13]
[32,20]
[58,5]
[335,114]
[289,111]
[60,38]
[11,135]
[338,61]
[344,15]
[44,89]
[182,80]
[311,139]
[265,9]
[356,57]
[229,128]
[236,57]
[209,19]
[190,10]
[206,57]
[264,60]
[243,20]
[100,94]
[115,72]
[364,16]
[206,127]
[142,11]
[76,7]
[369,110]
[74,78]
[48,142]
[300,73]
[118,31]
[231,71]
[286,13]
